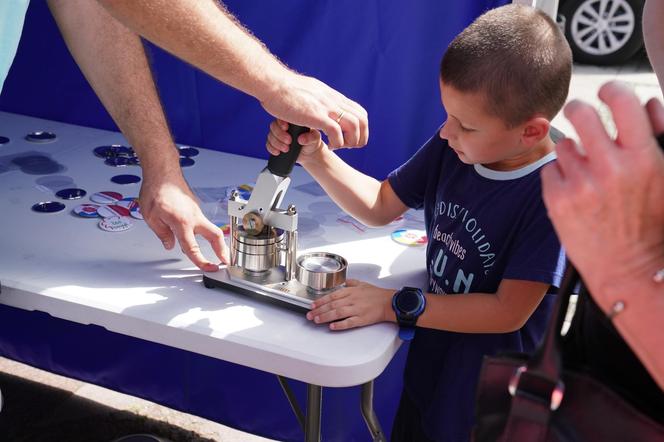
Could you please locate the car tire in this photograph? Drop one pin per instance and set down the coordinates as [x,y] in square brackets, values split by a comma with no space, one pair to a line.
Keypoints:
[604,37]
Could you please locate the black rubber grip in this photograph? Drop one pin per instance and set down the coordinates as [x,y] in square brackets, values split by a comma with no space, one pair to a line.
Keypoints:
[282,164]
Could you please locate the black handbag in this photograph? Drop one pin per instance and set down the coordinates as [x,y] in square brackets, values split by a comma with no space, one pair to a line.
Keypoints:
[531,399]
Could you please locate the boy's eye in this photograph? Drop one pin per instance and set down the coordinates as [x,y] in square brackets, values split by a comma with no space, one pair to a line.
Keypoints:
[465,129]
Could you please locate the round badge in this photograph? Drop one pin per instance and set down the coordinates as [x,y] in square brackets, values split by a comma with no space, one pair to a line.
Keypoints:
[126,179]
[106,197]
[409,237]
[40,137]
[48,207]
[186,151]
[112,210]
[87,210]
[116,224]
[3,140]
[186,162]
[71,194]
[225,228]
[117,161]
[128,202]
[136,212]
[133,161]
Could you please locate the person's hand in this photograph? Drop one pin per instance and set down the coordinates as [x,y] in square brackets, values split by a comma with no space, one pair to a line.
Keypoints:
[309,102]
[607,205]
[278,141]
[170,209]
[355,305]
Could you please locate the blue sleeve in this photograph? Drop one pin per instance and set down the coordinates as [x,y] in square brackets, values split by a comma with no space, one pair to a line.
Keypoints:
[411,180]
[537,254]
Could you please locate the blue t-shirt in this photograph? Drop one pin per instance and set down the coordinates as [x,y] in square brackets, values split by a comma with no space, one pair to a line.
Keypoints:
[483,226]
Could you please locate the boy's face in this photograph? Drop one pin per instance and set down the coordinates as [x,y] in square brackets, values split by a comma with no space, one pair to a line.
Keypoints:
[475,135]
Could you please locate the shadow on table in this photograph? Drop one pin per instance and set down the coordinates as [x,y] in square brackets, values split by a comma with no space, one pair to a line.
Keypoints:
[36,412]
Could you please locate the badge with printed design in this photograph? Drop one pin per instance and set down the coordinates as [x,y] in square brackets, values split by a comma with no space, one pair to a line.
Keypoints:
[87,210]
[136,212]
[112,210]
[106,197]
[116,224]
[410,237]
[129,202]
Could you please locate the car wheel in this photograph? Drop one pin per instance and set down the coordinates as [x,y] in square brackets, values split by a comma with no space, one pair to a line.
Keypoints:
[602,31]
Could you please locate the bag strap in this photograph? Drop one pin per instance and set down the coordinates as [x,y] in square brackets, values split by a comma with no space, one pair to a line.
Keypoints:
[537,387]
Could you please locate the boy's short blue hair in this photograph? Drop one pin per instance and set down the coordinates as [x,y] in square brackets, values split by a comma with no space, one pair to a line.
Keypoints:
[517,57]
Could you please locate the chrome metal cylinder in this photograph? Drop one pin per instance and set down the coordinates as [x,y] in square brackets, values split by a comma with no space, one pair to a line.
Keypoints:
[321,271]
[257,253]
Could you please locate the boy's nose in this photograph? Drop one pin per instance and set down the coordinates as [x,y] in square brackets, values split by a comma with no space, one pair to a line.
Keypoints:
[444,131]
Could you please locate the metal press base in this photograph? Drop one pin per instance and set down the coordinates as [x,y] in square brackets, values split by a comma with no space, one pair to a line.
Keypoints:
[268,286]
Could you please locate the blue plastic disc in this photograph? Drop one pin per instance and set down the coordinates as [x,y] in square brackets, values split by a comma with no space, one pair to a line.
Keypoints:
[186,162]
[40,137]
[71,194]
[126,179]
[48,207]
[3,140]
[188,151]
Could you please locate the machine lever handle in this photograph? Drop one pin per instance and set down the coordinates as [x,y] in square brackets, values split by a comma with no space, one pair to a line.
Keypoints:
[282,164]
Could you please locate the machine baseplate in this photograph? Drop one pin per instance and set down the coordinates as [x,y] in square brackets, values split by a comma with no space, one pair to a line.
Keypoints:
[268,286]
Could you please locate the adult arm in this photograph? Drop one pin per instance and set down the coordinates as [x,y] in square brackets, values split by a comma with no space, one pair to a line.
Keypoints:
[606,207]
[653,36]
[113,60]
[204,34]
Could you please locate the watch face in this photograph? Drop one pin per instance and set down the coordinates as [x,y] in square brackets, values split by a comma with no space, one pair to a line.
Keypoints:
[408,302]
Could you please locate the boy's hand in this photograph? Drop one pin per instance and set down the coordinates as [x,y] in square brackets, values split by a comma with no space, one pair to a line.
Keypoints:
[278,140]
[355,305]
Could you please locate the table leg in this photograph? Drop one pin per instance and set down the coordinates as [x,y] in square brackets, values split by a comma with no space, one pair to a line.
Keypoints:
[292,400]
[368,413]
[314,406]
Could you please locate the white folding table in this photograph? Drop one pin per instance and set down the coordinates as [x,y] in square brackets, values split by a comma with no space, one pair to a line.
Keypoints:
[68,267]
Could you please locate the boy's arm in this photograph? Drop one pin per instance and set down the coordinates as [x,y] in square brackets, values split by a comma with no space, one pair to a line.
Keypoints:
[372,202]
[505,311]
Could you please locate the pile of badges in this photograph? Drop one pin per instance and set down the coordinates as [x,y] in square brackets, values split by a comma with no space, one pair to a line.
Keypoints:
[117,155]
[116,212]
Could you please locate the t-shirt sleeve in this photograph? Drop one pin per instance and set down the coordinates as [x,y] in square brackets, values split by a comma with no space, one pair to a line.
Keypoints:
[537,254]
[410,180]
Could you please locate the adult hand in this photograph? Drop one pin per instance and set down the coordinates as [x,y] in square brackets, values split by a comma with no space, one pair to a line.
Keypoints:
[170,209]
[355,305]
[309,102]
[606,205]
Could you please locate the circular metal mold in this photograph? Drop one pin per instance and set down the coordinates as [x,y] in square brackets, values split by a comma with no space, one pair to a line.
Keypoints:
[71,194]
[321,271]
[40,137]
[48,207]
[3,140]
[186,151]
[126,179]
[269,236]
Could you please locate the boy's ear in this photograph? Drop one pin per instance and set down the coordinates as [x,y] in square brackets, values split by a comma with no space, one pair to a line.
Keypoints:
[534,130]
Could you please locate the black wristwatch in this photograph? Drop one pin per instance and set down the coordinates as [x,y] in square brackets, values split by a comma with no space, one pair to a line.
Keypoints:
[408,304]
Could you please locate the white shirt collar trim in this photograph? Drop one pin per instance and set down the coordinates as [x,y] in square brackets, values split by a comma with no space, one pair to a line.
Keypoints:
[514,174]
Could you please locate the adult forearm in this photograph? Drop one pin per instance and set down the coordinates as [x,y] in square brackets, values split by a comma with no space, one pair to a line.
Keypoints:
[640,321]
[653,35]
[356,193]
[113,60]
[204,34]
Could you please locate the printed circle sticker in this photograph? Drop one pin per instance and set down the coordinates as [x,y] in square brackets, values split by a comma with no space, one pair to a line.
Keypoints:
[87,210]
[410,237]
[106,197]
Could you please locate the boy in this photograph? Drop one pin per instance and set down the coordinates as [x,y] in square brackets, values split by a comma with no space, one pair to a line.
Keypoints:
[492,253]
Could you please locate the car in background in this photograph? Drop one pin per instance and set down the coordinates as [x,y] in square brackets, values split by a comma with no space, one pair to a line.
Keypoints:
[602,32]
